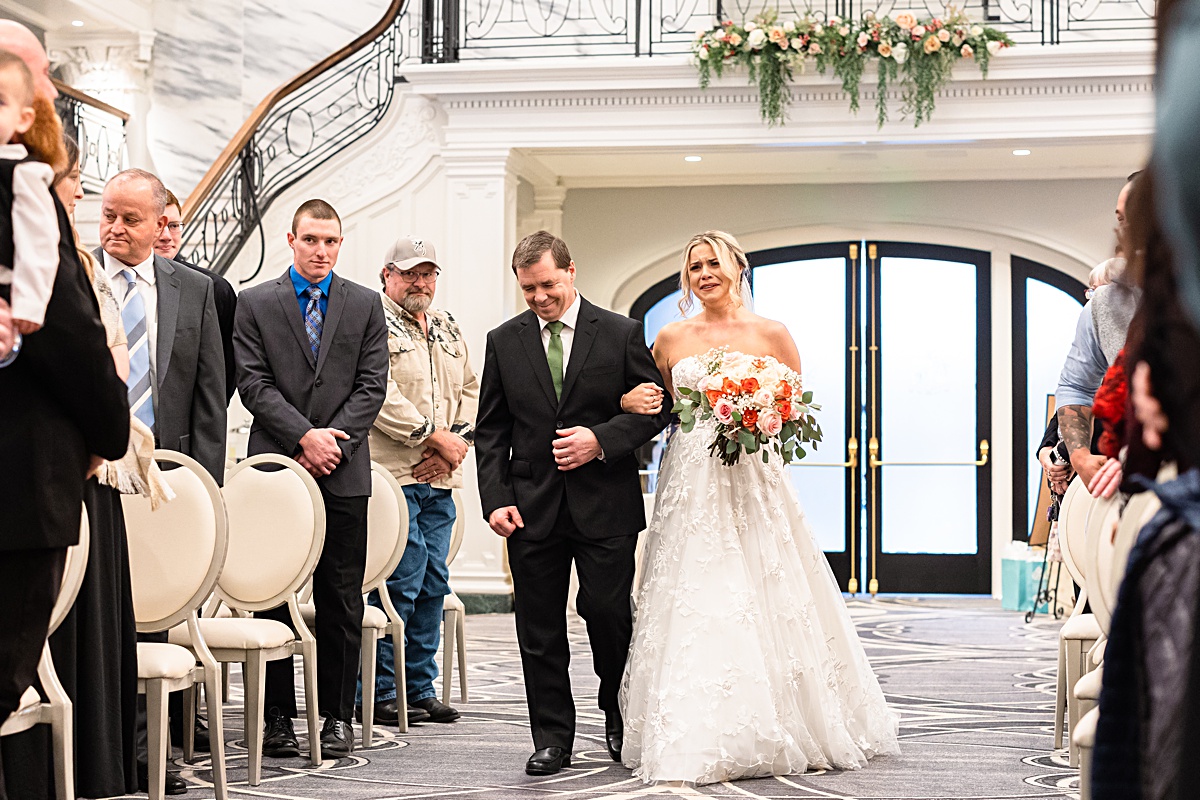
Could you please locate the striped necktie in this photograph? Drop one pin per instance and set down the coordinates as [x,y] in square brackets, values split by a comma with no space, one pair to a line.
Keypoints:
[133,316]
[314,319]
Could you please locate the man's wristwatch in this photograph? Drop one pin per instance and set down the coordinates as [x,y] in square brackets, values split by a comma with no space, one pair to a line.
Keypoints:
[12,354]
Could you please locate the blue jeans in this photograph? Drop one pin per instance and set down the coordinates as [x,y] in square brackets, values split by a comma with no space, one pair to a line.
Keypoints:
[417,588]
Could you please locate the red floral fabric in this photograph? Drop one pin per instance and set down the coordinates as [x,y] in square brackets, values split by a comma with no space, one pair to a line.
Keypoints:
[1110,407]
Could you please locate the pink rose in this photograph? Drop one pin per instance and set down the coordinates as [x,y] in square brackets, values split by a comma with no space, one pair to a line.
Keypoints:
[764,398]
[723,411]
[702,384]
[798,410]
[770,423]
[905,20]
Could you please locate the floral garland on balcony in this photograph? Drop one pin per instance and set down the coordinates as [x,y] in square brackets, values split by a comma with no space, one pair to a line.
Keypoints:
[919,54]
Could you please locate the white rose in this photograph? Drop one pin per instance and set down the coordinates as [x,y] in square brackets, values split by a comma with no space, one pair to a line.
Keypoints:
[994,47]
[918,31]
[797,43]
[751,26]
[835,20]
[844,30]
[702,384]
[863,39]
[701,34]
[702,54]
[756,38]
[976,30]
[789,26]
[763,398]
[817,29]
[900,52]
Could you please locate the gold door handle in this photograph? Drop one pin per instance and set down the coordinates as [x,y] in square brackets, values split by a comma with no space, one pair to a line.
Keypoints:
[874,462]
[852,462]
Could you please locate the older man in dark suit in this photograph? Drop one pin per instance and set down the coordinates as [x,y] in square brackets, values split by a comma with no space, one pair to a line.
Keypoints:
[312,361]
[559,480]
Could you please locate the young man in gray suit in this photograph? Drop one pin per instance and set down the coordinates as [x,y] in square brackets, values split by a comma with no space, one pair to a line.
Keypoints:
[312,364]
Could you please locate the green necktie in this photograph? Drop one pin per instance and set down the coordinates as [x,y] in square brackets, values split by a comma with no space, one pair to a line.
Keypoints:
[554,355]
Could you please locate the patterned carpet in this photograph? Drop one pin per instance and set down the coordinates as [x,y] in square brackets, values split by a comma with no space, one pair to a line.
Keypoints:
[973,684]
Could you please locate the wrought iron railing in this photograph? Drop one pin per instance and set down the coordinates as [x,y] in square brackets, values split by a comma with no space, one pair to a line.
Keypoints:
[100,130]
[339,100]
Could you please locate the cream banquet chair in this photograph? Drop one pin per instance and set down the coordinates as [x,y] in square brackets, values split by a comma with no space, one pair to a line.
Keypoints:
[175,557]
[276,531]
[387,537]
[58,711]
[454,626]
[1081,631]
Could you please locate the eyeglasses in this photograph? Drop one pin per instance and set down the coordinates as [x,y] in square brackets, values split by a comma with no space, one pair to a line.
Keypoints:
[409,276]
[175,227]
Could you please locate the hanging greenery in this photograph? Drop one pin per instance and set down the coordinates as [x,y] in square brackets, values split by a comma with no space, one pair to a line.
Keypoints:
[916,54]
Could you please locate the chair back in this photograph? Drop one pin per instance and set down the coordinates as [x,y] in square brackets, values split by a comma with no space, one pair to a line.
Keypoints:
[460,524]
[176,552]
[1072,530]
[387,528]
[73,572]
[1102,517]
[276,532]
[1140,509]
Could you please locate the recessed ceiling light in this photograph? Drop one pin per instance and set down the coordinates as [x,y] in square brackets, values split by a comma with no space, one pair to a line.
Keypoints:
[692,158]
[1021,152]
[78,23]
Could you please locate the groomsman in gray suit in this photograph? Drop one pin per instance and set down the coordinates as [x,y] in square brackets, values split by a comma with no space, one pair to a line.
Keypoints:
[177,365]
[312,363]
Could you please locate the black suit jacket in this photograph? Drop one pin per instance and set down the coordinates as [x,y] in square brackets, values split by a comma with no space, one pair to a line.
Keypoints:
[62,402]
[518,416]
[289,392]
[225,298]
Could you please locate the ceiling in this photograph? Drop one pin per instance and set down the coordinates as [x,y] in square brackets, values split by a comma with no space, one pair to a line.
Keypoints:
[846,162]
[62,15]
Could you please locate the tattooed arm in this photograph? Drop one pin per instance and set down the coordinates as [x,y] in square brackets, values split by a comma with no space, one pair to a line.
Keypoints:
[1075,427]
[1081,376]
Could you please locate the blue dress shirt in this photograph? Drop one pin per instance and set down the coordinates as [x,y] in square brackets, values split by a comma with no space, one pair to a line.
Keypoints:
[301,285]
[1084,369]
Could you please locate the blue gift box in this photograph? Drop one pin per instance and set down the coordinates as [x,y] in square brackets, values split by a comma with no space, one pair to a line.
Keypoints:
[1019,577]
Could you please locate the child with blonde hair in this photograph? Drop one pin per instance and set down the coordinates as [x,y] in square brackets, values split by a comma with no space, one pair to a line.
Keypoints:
[29,233]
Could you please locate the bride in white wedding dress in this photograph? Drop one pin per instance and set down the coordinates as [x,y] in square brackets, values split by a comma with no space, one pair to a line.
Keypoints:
[744,661]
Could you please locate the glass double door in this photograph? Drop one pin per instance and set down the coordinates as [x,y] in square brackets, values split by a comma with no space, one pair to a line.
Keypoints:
[895,344]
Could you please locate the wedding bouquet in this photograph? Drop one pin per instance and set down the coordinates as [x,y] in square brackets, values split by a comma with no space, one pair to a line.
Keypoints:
[758,404]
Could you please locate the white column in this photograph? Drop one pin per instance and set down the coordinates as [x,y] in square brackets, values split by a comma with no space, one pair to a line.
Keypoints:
[481,203]
[112,67]
[547,210]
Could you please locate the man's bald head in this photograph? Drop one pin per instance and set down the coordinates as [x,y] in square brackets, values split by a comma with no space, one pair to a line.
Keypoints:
[17,39]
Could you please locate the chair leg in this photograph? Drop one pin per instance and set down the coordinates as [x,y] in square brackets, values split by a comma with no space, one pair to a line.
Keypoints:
[254,684]
[1060,694]
[62,728]
[188,724]
[461,635]
[368,650]
[216,730]
[1074,673]
[397,632]
[1085,773]
[309,652]
[157,733]
[225,682]
[449,625]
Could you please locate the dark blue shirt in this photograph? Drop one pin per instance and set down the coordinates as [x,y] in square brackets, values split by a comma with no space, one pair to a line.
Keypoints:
[301,285]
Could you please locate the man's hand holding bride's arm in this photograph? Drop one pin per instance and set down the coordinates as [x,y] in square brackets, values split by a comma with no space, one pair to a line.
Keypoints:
[505,521]
[645,398]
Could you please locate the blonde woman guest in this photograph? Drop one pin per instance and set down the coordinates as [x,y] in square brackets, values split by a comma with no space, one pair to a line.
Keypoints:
[744,661]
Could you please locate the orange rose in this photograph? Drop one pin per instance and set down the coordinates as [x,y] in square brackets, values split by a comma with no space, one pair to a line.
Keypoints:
[749,419]
[713,396]
[785,408]
[729,387]
[785,390]
[749,385]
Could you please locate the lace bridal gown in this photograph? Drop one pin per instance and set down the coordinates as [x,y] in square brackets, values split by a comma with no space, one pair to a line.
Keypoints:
[744,660]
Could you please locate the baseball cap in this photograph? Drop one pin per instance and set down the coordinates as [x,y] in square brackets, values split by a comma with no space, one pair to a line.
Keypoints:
[408,251]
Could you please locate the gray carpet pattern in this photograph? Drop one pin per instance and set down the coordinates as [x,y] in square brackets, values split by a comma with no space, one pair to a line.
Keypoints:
[974,686]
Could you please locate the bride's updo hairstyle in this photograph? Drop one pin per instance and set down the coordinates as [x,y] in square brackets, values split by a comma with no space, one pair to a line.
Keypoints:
[734,266]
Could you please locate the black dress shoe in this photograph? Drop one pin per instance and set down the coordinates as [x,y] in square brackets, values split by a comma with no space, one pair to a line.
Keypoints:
[386,713]
[337,737]
[614,734]
[436,709]
[279,739]
[547,761]
[172,785]
[200,740]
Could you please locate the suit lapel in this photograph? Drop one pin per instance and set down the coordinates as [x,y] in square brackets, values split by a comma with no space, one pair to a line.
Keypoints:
[581,345]
[285,292]
[166,287]
[333,315]
[531,338]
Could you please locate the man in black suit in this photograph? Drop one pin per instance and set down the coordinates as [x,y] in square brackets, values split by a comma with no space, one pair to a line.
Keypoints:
[224,295]
[65,409]
[312,361]
[559,480]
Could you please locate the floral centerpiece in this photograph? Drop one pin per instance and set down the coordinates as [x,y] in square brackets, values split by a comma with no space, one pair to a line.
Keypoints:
[916,53]
[759,406]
